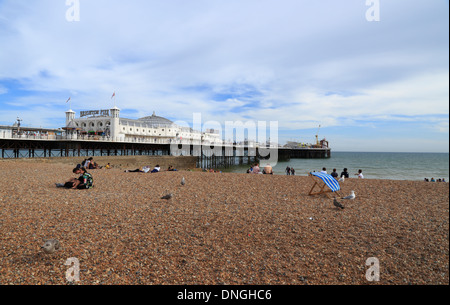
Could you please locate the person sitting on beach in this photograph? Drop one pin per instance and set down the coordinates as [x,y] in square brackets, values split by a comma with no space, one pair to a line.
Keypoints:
[432,180]
[88,163]
[334,174]
[92,164]
[256,169]
[70,183]
[324,171]
[360,174]
[108,166]
[171,169]
[157,169]
[268,170]
[345,173]
[250,170]
[85,181]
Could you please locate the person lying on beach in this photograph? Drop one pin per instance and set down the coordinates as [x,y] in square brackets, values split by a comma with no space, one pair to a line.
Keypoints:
[156,169]
[144,169]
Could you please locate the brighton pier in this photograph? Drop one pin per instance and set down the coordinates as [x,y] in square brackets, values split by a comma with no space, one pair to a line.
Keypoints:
[105,133]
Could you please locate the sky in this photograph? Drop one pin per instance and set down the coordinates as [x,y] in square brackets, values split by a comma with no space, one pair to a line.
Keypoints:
[373,75]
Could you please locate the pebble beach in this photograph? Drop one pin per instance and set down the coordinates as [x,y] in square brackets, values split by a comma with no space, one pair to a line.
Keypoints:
[218,229]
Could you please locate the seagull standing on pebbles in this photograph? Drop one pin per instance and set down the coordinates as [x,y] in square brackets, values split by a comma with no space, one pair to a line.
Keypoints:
[351,196]
[342,179]
[50,246]
[183,181]
[338,204]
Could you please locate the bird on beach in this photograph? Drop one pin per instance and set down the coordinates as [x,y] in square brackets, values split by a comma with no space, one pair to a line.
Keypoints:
[183,181]
[338,204]
[167,197]
[351,196]
[51,246]
[342,179]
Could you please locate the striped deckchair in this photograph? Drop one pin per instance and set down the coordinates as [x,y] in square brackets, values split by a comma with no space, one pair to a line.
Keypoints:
[325,181]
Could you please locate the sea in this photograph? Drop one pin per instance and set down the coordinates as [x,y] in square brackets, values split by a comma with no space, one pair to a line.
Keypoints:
[374,165]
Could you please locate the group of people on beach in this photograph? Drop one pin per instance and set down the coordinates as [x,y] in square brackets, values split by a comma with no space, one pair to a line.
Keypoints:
[148,169]
[434,180]
[255,169]
[344,173]
[90,164]
[85,180]
[290,171]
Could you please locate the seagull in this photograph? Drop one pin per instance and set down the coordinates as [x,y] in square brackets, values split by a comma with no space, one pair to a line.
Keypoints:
[351,196]
[183,181]
[338,204]
[342,179]
[50,246]
[167,197]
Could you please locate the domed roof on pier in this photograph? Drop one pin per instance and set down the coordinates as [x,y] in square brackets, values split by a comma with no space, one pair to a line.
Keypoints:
[156,120]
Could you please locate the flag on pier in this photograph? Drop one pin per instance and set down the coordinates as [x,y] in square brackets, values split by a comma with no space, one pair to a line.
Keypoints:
[68,100]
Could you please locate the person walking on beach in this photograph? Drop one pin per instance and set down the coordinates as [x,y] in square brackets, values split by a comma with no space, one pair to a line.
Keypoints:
[288,171]
[292,171]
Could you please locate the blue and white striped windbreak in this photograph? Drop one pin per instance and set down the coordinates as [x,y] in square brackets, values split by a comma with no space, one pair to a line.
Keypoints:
[332,183]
